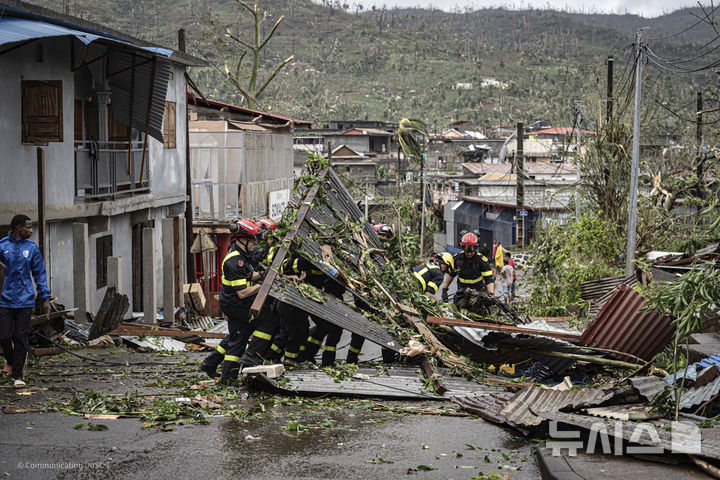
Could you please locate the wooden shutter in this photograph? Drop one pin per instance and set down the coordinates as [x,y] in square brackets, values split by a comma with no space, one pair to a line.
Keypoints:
[117,132]
[169,125]
[42,115]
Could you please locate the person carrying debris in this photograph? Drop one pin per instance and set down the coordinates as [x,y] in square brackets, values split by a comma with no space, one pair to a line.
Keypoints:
[431,274]
[22,260]
[240,285]
[472,269]
[266,255]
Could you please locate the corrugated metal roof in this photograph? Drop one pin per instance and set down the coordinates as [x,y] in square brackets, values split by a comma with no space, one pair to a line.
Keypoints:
[648,387]
[697,396]
[16,30]
[637,411]
[486,405]
[214,104]
[525,406]
[621,325]
[392,383]
[678,440]
[136,88]
[335,312]
[594,289]
[480,168]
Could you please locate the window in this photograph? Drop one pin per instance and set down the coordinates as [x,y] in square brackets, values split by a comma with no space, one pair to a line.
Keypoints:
[42,116]
[103,250]
[169,126]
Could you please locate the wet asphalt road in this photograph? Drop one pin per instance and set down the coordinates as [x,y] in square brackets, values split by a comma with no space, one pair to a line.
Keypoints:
[368,445]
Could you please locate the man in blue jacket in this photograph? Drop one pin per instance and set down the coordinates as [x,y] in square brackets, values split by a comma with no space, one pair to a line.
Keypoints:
[22,259]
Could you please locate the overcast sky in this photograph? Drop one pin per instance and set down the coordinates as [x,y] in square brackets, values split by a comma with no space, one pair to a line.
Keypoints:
[646,8]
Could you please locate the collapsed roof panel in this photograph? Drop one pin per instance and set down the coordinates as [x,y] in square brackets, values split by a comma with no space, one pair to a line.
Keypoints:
[334,311]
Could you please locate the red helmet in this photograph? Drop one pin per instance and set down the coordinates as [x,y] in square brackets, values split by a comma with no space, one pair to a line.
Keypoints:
[384,231]
[244,228]
[469,240]
[267,224]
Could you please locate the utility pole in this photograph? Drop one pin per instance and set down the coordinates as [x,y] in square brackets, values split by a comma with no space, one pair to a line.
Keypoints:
[578,143]
[422,198]
[609,109]
[366,200]
[635,165]
[699,161]
[189,233]
[520,195]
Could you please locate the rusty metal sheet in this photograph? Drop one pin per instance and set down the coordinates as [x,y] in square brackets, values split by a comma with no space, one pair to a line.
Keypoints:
[537,327]
[621,325]
[396,382]
[525,406]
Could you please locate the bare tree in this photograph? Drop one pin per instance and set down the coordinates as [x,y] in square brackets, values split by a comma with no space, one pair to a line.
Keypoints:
[245,77]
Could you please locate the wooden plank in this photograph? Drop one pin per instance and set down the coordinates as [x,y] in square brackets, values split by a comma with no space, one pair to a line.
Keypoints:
[127,328]
[282,251]
[432,373]
[452,322]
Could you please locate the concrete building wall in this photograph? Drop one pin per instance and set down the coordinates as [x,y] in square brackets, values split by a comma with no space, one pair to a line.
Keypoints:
[18,182]
[359,143]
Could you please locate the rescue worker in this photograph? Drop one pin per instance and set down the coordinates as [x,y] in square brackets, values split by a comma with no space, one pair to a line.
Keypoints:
[431,274]
[472,269]
[267,232]
[383,230]
[386,234]
[240,284]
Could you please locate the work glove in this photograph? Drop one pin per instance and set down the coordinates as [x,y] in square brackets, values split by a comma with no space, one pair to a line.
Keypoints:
[444,295]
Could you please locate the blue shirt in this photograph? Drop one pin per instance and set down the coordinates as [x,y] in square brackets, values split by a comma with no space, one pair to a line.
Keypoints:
[22,258]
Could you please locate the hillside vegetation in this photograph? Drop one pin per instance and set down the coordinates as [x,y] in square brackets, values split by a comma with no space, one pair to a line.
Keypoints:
[385,64]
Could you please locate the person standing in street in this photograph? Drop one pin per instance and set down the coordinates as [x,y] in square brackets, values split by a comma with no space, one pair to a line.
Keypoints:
[23,264]
[507,273]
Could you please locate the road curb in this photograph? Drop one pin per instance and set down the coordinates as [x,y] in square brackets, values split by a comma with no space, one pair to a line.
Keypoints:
[554,468]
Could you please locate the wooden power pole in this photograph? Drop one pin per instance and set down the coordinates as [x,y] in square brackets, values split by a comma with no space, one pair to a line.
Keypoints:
[520,195]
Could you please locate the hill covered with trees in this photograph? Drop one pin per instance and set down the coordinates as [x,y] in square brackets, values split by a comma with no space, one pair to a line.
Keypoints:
[491,66]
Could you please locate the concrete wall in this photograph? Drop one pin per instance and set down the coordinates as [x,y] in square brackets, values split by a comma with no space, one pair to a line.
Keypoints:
[359,143]
[18,182]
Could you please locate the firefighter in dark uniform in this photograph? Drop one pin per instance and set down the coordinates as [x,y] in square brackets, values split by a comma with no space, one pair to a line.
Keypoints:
[472,269]
[385,232]
[431,274]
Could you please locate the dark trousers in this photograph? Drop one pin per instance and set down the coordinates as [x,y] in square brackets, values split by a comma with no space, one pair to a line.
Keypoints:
[356,344]
[14,329]
[322,330]
[293,331]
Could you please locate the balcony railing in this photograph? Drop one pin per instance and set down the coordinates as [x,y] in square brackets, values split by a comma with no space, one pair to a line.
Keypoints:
[109,169]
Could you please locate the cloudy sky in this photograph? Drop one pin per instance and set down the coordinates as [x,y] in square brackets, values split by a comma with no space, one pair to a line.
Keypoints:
[646,8]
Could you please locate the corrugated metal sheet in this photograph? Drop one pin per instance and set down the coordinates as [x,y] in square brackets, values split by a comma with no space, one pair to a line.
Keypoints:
[594,289]
[697,396]
[486,405]
[131,90]
[621,325]
[404,383]
[648,387]
[335,312]
[525,406]
[635,411]
[676,441]
[493,340]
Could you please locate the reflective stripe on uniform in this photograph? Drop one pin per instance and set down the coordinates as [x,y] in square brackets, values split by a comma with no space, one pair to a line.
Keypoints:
[263,335]
[470,280]
[275,348]
[232,358]
[271,255]
[302,348]
[220,349]
[290,354]
[316,272]
[421,279]
[354,350]
[329,349]
[487,274]
[314,340]
[225,281]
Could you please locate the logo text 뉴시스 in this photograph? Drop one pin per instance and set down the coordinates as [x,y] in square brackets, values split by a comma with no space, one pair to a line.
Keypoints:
[643,438]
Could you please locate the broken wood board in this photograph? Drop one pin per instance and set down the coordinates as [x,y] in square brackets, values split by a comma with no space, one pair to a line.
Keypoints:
[400,382]
[128,328]
[445,354]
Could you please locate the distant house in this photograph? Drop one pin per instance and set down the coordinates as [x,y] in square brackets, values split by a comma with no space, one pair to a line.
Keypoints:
[534,150]
[108,113]
[354,167]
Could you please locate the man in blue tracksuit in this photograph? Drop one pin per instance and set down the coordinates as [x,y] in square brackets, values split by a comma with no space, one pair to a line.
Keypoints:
[22,259]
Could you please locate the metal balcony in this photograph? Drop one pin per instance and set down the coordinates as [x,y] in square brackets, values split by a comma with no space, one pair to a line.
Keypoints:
[106,170]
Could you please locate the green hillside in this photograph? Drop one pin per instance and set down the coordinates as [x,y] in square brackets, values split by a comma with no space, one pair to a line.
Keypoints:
[386,64]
